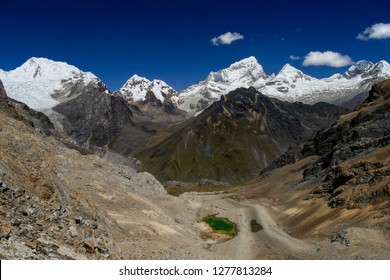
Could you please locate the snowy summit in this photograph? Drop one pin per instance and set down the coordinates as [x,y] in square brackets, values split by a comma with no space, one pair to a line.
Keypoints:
[38,79]
[290,84]
[244,73]
[42,83]
[136,89]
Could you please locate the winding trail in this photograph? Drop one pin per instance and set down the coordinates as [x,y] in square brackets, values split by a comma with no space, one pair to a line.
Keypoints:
[271,241]
[273,231]
[271,234]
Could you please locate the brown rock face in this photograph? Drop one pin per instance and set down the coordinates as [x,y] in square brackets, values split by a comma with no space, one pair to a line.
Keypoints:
[95,118]
[354,164]
[360,183]
[3,95]
[355,155]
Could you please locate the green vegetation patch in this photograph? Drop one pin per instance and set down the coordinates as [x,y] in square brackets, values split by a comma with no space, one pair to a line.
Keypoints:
[255,227]
[221,225]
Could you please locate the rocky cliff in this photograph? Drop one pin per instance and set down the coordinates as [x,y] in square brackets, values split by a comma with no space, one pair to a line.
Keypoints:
[94,118]
[355,154]
[354,163]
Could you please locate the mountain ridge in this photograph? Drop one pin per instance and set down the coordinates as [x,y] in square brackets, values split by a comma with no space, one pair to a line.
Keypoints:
[291,84]
[48,82]
[231,140]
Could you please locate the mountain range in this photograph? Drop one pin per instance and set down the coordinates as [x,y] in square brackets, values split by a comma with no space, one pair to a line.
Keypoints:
[300,180]
[196,133]
[42,83]
[328,198]
[290,84]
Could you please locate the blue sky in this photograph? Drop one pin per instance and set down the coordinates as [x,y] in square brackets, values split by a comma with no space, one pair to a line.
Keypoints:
[172,40]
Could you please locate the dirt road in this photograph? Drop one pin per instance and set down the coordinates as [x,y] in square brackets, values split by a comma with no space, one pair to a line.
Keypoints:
[269,243]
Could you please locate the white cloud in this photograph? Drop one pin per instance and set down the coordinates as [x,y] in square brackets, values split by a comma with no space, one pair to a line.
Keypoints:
[293,57]
[226,39]
[328,58]
[376,31]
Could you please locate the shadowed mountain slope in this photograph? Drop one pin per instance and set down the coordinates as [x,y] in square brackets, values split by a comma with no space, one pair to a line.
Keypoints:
[235,137]
[94,118]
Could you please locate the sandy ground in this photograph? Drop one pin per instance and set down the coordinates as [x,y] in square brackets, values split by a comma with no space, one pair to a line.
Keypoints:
[167,227]
[171,228]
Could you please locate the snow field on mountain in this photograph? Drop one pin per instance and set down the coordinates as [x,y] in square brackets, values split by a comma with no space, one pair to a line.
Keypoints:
[34,82]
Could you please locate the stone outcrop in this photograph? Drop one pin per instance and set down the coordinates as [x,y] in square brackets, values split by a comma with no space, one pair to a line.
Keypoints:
[3,94]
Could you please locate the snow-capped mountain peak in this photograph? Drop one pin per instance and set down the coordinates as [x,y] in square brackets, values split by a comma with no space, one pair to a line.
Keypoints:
[284,84]
[244,73]
[291,74]
[290,84]
[36,68]
[137,79]
[37,80]
[358,68]
[383,65]
[338,89]
[247,63]
[288,69]
[137,88]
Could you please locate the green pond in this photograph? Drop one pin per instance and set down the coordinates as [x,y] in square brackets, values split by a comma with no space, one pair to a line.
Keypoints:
[221,225]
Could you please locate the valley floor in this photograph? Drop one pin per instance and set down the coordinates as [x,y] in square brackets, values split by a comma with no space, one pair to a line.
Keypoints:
[175,231]
[168,227]
[57,203]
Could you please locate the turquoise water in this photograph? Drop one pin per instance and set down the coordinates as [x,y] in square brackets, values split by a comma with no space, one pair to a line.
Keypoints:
[221,225]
